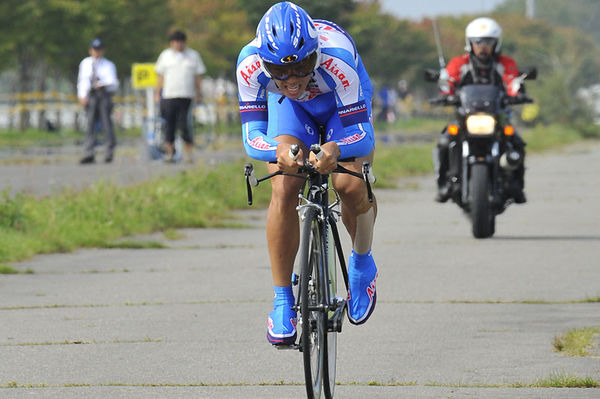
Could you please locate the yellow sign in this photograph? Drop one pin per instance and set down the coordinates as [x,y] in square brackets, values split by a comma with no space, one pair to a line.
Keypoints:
[530,112]
[143,75]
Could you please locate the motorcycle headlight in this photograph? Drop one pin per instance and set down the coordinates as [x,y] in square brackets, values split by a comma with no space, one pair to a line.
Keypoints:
[481,124]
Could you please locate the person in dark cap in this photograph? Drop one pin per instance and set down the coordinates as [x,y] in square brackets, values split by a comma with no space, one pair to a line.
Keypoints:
[179,71]
[96,84]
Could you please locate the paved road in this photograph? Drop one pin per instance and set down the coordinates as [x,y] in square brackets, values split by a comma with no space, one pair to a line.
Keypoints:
[456,317]
[42,171]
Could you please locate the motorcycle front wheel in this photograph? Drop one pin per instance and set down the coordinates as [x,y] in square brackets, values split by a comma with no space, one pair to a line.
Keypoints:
[482,217]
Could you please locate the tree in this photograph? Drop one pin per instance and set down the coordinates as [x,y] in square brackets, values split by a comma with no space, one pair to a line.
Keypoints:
[338,11]
[53,35]
[218,29]
[37,40]
[566,58]
[581,14]
[391,49]
[133,30]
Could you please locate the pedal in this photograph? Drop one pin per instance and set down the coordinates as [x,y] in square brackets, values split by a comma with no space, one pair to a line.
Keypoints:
[334,323]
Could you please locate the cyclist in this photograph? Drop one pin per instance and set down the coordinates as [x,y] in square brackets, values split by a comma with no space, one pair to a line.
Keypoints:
[296,75]
[482,64]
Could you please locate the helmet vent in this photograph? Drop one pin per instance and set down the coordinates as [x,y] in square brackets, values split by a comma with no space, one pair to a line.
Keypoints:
[301,43]
[271,49]
[274,31]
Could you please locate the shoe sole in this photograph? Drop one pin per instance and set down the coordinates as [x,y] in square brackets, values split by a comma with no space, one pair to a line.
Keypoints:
[357,323]
[281,341]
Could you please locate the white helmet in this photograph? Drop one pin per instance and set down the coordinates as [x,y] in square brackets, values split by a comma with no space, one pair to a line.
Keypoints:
[483,27]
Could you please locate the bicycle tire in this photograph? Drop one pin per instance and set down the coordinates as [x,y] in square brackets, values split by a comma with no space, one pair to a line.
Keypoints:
[314,322]
[332,335]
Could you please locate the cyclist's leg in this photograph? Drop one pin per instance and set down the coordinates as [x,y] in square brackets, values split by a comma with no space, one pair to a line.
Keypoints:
[287,125]
[358,215]
[282,221]
[356,205]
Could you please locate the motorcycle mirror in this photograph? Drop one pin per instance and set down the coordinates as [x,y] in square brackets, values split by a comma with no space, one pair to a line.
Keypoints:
[431,75]
[529,72]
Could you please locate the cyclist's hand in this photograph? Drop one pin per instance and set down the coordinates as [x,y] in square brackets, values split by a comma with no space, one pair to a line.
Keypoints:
[286,163]
[328,161]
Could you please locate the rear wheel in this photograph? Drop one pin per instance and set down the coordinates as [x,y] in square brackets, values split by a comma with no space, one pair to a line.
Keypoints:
[314,319]
[482,216]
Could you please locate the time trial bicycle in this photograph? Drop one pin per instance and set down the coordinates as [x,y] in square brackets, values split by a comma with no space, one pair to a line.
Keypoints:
[320,308]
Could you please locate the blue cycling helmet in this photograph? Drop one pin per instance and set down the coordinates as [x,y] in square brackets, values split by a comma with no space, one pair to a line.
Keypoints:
[286,34]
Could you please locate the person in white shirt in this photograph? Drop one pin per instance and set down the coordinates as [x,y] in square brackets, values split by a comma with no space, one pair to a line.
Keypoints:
[96,84]
[179,71]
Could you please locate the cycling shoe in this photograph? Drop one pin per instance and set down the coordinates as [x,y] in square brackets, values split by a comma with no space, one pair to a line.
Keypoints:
[362,274]
[281,324]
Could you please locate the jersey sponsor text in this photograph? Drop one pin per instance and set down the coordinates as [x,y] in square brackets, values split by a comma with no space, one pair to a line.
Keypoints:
[250,69]
[333,68]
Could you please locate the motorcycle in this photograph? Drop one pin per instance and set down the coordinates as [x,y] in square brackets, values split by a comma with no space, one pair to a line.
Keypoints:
[481,155]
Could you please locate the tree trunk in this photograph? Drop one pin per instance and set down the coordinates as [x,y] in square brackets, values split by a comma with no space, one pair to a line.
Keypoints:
[24,86]
[41,123]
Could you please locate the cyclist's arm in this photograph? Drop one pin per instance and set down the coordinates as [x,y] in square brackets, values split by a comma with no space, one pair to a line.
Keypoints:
[353,96]
[252,97]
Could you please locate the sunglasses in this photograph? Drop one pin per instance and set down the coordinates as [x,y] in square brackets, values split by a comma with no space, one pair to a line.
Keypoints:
[299,69]
[484,41]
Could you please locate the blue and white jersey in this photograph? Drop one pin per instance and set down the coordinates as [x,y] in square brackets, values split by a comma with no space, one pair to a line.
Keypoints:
[340,89]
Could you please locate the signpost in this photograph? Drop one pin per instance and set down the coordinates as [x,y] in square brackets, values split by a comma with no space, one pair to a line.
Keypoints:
[144,77]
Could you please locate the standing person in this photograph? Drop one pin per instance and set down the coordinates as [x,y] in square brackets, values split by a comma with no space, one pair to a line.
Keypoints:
[179,70]
[296,75]
[482,64]
[96,84]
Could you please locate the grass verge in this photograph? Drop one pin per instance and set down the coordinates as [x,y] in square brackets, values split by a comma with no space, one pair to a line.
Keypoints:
[576,342]
[562,380]
[554,381]
[202,197]
[98,216]
[5,269]
[130,244]
[42,138]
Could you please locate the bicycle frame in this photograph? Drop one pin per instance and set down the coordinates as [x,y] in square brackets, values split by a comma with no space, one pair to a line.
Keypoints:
[321,311]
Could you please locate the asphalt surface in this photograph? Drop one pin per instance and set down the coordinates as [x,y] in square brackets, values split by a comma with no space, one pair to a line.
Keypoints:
[43,171]
[456,317]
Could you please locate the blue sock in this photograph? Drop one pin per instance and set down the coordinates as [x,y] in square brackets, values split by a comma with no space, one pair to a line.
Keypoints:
[283,295]
[361,259]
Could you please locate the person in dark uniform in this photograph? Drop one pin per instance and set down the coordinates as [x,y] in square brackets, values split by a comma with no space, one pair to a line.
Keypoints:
[96,84]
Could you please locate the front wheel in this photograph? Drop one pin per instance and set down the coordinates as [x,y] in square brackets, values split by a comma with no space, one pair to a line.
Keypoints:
[314,319]
[482,216]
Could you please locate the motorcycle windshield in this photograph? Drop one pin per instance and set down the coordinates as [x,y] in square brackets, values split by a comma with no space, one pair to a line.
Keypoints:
[480,98]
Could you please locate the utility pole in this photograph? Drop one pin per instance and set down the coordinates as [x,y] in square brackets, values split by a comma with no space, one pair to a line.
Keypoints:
[530,9]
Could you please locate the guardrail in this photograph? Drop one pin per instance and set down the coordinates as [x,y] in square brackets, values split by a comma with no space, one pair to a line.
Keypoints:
[56,109]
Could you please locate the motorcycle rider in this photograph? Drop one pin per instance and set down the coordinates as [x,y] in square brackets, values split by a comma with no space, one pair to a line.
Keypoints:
[482,64]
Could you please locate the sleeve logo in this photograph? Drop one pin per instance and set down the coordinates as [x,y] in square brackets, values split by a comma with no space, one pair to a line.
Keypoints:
[250,69]
[334,69]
